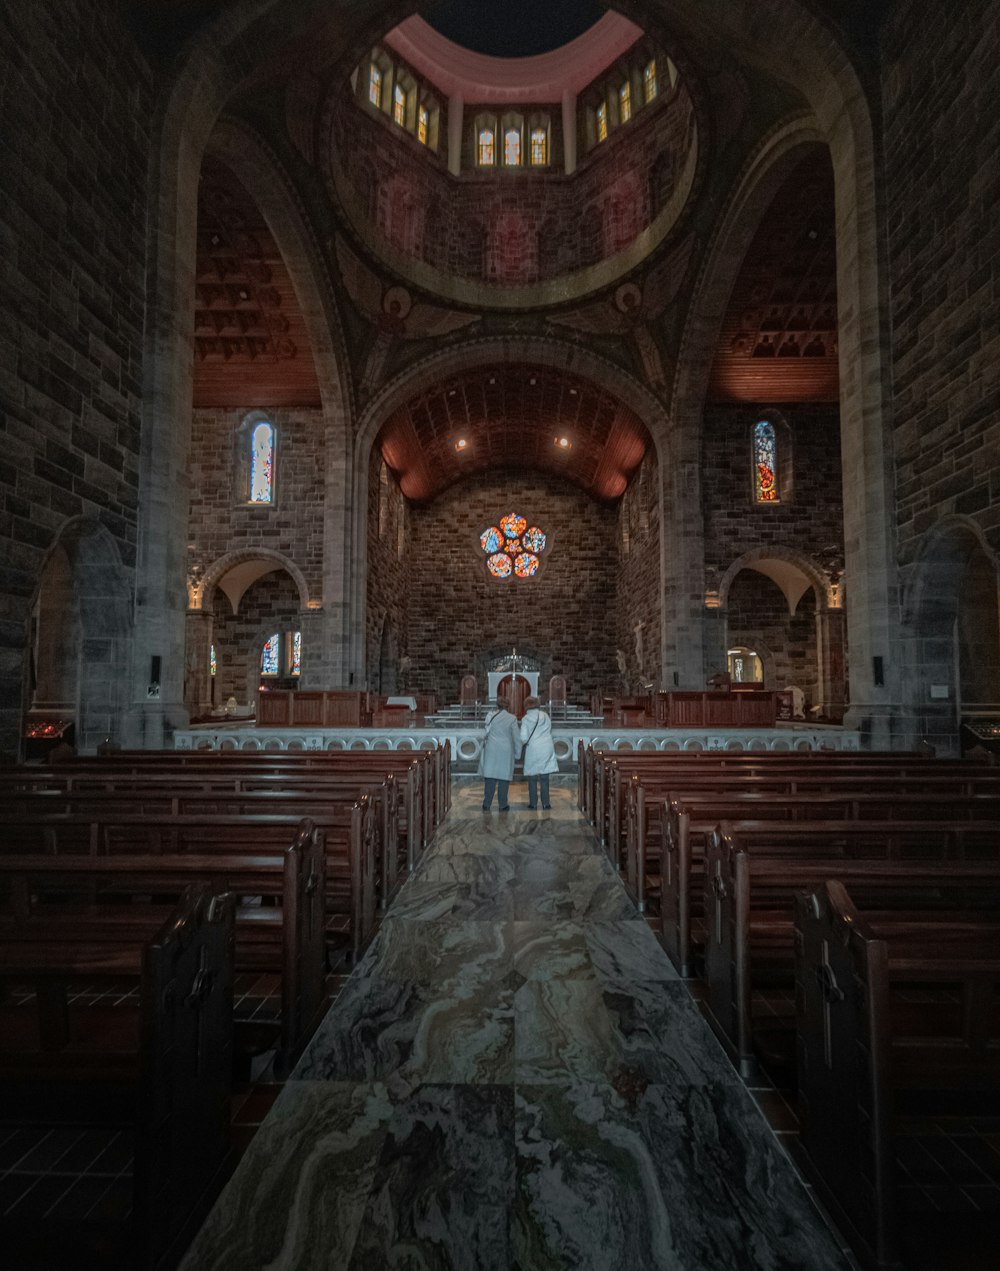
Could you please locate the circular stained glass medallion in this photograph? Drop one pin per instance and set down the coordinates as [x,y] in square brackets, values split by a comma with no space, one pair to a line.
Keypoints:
[534,540]
[526,565]
[491,539]
[513,525]
[499,565]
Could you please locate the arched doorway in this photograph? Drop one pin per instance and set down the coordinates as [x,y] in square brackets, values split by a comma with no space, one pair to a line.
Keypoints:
[388,661]
[79,636]
[953,625]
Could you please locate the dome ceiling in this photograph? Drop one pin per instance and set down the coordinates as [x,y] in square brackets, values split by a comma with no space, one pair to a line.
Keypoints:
[517,28]
[513,417]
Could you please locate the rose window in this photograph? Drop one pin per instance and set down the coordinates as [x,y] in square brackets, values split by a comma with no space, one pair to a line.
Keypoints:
[513,548]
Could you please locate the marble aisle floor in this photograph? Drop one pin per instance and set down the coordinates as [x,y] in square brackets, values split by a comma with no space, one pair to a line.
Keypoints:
[514,1077]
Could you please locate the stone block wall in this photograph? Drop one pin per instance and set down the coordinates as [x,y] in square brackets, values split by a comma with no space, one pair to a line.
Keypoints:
[809,517]
[565,616]
[759,619]
[220,519]
[268,605]
[941,83]
[77,108]
[638,593]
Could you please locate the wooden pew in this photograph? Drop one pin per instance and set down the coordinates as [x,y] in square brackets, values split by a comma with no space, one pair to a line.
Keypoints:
[749,894]
[351,843]
[888,1013]
[674,859]
[162,1088]
[288,940]
[785,772]
[406,810]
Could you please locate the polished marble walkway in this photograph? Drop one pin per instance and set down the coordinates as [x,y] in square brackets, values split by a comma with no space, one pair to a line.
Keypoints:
[514,1077]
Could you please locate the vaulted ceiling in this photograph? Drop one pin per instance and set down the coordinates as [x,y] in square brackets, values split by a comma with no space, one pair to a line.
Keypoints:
[516,417]
[779,338]
[251,346]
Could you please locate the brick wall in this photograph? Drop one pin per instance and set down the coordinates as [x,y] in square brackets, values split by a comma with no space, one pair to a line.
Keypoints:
[565,615]
[511,226]
[388,559]
[941,82]
[220,519]
[639,584]
[75,150]
[268,605]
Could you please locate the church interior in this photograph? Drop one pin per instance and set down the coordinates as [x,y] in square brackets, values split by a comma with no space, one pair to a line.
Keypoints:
[367,368]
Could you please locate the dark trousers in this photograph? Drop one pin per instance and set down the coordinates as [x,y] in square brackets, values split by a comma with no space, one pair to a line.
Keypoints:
[491,784]
[543,779]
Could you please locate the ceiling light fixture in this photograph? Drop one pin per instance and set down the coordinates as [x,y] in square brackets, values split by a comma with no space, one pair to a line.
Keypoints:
[563,443]
[461,444]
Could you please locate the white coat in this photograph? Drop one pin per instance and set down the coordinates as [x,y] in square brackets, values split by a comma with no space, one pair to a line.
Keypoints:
[501,747]
[539,752]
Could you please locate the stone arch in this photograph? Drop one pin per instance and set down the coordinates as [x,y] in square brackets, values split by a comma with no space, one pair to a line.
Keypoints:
[830,664]
[189,129]
[499,351]
[787,555]
[784,38]
[951,627]
[81,619]
[865,439]
[202,593]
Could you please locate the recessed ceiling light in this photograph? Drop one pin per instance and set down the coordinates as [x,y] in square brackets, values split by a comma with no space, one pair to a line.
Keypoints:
[461,444]
[532,381]
[572,392]
[493,379]
[563,443]
[452,392]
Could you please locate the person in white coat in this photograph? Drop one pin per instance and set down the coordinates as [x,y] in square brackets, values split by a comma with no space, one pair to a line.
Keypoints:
[539,752]
[501,747]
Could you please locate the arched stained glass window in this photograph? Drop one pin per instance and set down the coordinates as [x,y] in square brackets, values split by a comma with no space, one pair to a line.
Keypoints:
[262,464]
[512,547]
[649,85]
[512,147]
[539,146]
[765,463]
[423,123]
[487,148]
[399,106]
[213,665]
[295,662]
[375,86]
[625,102]
[270,657]
[602,122]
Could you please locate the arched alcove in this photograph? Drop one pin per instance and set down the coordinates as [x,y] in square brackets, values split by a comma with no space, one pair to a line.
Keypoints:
[80,633]
[952,624]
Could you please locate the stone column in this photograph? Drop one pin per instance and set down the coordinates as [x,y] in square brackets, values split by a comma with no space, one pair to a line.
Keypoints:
[342,571]
[682,557]
[315,668]
[197,662]
[715,627]
[569,130]
[831,628]
[456,113]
